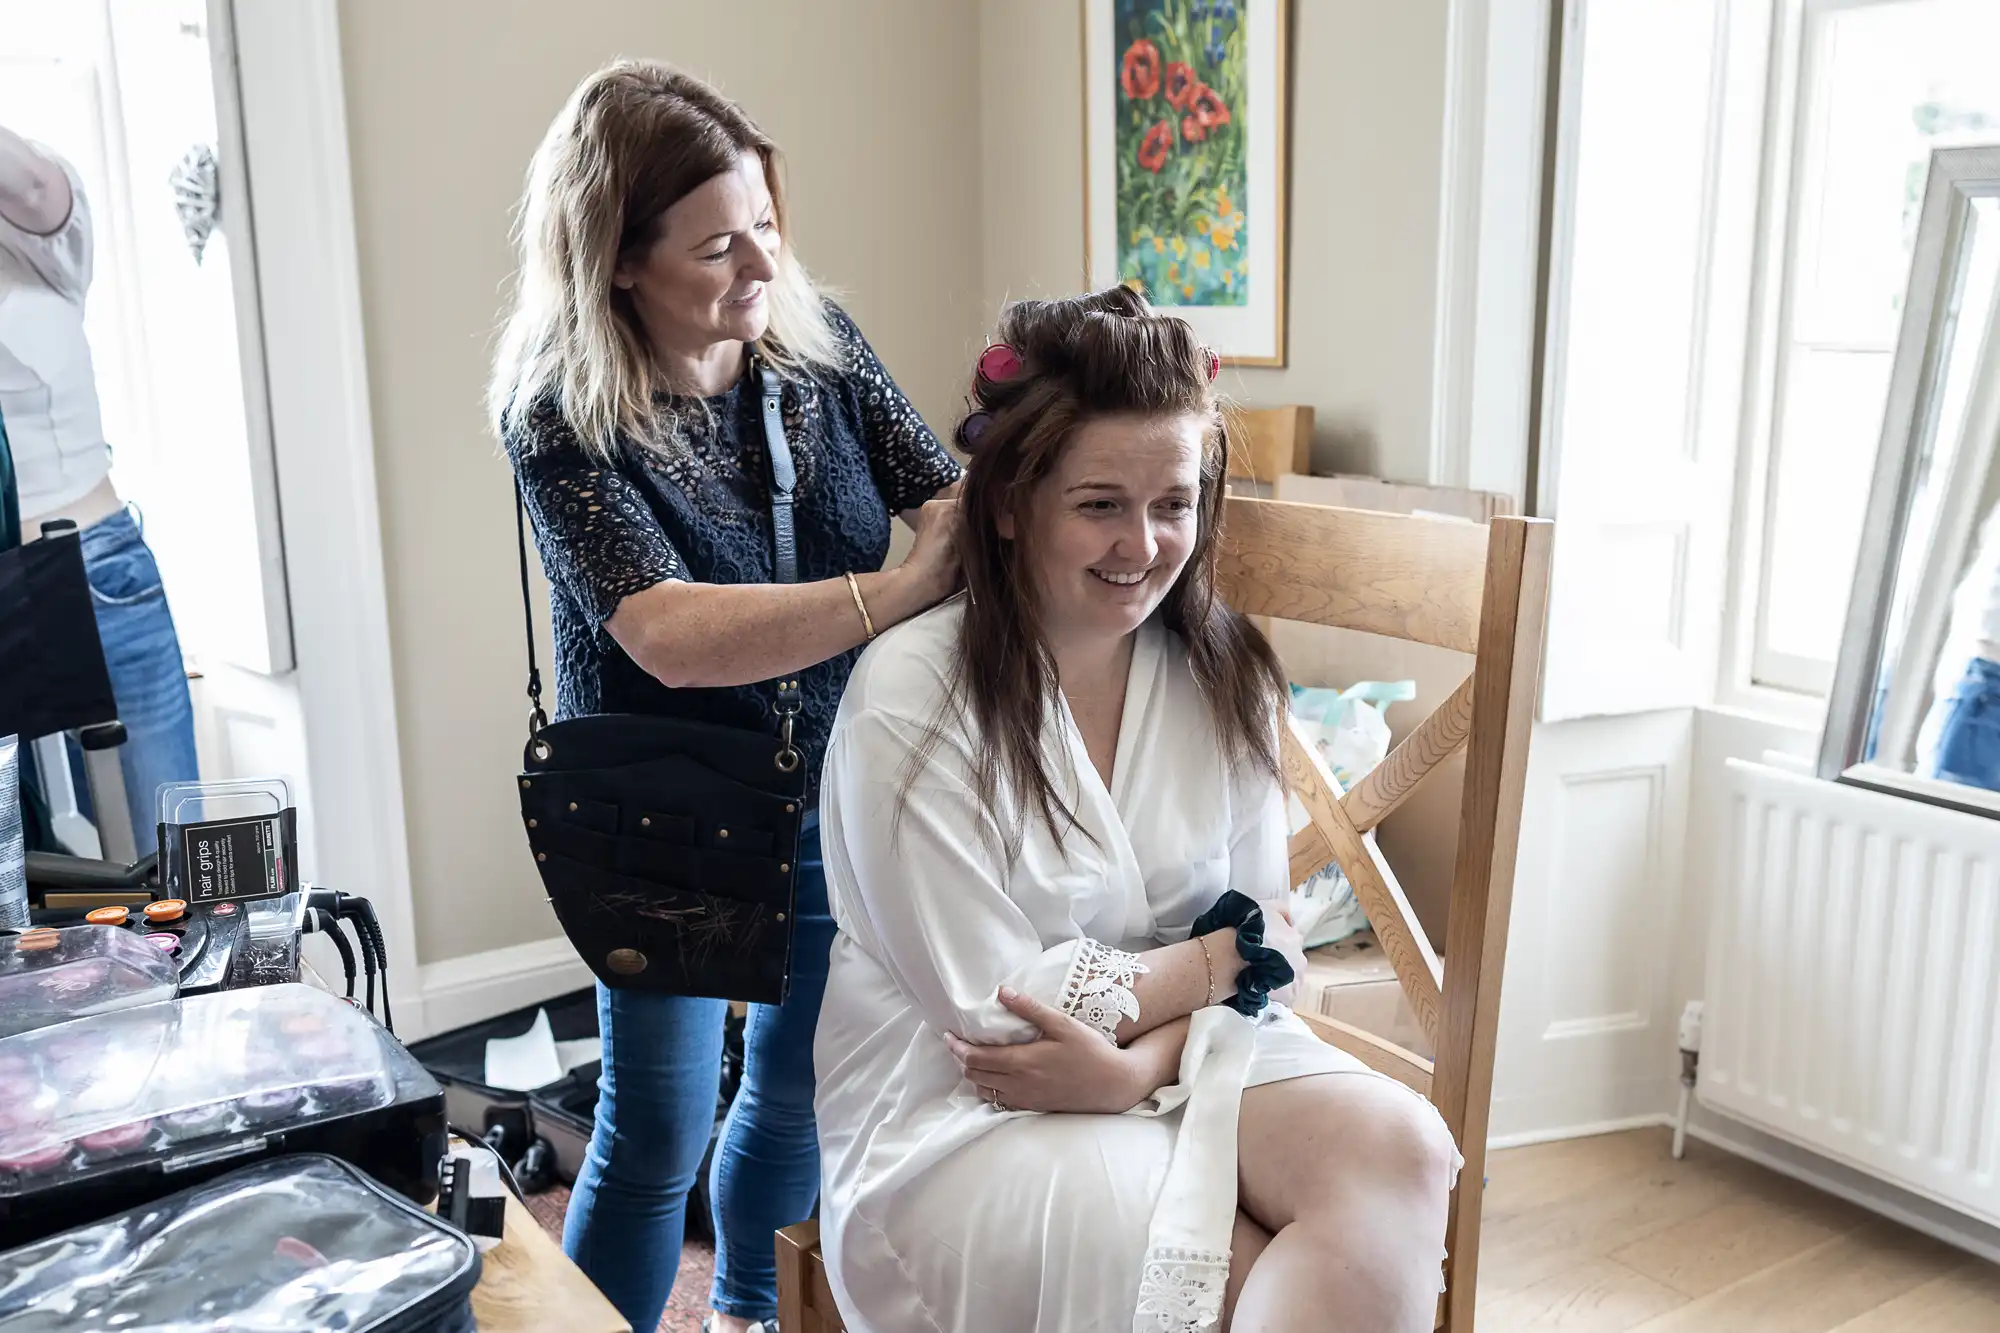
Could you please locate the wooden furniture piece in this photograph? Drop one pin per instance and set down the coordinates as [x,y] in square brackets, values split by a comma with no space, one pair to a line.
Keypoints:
[1471,588]
[528,1285]
[1475,589]
[1267,442]
[805,1301]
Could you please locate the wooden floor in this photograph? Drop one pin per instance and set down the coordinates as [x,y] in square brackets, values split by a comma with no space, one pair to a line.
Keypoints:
[1610,1234]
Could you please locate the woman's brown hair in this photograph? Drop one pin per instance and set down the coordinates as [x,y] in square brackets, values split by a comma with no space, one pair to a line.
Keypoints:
[634,139]
[1106,354]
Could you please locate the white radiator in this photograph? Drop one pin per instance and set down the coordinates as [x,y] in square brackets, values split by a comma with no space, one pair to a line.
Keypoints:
[1853,989]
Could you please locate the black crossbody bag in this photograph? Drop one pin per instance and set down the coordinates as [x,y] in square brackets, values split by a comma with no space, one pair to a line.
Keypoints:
[669,848]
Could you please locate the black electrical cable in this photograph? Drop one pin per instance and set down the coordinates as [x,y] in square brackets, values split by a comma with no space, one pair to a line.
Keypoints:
[368,936]
[329,925]
[374,930]
[367,966]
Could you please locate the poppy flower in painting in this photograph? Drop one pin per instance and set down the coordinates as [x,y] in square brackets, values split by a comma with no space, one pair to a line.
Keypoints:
[1207,107]
[1181,85]
[1153,149]
[1193,130]
[1139,71]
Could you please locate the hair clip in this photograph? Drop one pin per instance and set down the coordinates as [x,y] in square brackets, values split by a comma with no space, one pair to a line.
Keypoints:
[973,427]
[1214,363]
[998,364]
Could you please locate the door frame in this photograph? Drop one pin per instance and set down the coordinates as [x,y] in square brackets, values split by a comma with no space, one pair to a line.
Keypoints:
[288,73]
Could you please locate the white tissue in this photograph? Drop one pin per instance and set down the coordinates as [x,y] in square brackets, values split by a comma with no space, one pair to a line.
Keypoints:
[525,1062]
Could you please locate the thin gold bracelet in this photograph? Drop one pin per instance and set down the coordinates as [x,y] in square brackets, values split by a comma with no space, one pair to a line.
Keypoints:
[867,621]
[1208,961]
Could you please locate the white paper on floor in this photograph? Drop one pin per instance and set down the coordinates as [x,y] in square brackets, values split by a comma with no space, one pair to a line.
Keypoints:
[582,1051]
[524,1062]
[536,1059]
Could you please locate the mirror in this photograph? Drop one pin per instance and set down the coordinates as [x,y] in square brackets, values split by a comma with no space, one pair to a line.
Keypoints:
[1915,706]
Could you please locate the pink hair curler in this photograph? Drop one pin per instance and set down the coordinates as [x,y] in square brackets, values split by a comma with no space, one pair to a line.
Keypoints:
[998,364]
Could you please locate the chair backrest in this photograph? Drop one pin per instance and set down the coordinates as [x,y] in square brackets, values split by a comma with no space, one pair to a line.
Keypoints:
[1421,837]
[1476,589]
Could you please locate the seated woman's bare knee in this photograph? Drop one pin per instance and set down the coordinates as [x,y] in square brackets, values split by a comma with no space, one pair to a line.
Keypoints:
[1320,1142]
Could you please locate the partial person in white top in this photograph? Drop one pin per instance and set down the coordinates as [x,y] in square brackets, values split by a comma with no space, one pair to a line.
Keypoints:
[62,464]
[48,386]
[1037,1108]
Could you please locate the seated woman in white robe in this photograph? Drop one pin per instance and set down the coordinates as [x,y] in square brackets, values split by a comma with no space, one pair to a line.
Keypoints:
[1038,1109]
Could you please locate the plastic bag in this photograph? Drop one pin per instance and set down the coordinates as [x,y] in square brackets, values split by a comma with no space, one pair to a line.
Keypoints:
[13,843]
[304,1244]
[1349,729]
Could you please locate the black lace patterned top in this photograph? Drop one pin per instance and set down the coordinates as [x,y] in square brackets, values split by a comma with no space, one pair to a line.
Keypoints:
[861,453]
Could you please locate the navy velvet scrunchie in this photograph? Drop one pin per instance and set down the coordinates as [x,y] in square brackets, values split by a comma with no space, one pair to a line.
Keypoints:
[1264,969]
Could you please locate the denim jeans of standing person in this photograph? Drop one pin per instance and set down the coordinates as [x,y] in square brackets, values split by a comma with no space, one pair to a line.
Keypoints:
[655,1109]
[148,678]
[1968,730]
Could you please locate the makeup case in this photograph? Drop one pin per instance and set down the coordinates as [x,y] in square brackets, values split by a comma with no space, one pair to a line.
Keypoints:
[303,1244]
[108,1112]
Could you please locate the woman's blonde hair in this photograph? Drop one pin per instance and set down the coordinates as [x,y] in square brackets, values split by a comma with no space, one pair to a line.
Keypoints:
[633,139]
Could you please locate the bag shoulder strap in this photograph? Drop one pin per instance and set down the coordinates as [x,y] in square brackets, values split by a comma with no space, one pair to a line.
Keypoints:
[784,542]
[537,719]
[784,478]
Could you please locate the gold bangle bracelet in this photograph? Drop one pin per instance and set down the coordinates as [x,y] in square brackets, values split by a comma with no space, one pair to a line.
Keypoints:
[867,621]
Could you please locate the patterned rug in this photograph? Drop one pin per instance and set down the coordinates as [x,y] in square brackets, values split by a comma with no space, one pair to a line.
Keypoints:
[690,1299]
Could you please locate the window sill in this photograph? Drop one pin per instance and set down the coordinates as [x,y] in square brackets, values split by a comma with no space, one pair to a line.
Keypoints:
[1801,713]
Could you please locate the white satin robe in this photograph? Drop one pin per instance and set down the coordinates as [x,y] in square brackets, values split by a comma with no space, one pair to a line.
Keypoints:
[939,1212]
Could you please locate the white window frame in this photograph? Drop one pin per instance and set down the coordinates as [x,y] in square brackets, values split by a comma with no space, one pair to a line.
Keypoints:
[1754,678]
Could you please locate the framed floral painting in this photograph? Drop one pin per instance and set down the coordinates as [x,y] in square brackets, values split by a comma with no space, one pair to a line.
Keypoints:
[1185,110]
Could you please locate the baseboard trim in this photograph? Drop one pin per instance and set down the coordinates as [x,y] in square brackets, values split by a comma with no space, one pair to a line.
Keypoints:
[467,989]
[1590,1130]
[1933,1220]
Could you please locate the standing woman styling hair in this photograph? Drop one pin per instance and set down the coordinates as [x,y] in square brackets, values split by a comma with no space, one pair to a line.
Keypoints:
[656,279]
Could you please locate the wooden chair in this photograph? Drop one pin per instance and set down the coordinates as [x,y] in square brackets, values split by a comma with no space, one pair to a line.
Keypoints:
[1476,589]
[805,1301]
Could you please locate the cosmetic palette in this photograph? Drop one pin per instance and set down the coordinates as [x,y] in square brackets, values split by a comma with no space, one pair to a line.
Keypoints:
[109,1111]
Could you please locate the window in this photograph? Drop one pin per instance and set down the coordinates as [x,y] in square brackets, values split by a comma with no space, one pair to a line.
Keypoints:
[1879,83]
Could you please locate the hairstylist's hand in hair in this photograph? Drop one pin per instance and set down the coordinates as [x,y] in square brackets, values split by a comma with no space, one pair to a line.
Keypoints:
[932,563]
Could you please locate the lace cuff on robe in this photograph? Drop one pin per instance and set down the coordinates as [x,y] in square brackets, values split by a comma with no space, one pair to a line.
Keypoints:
[1098,989]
